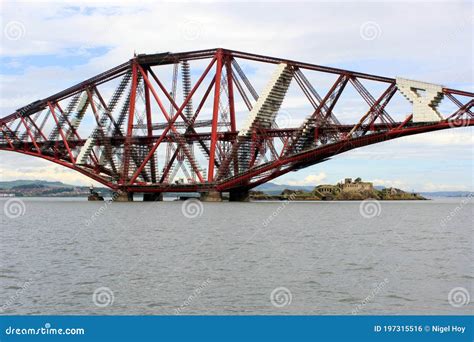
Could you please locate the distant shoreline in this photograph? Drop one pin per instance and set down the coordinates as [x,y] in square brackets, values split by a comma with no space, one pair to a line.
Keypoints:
[430,198]
[270,191]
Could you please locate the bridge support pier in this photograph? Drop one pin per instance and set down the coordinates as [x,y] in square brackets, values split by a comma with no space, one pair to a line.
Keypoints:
[211,196]
[239,195]
[123,196]
[153,197]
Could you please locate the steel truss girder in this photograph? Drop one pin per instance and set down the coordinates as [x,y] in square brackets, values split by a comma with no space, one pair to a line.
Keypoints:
[124,158]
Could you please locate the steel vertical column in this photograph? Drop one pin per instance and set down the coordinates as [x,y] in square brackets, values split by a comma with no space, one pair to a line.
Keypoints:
[215,116]
[230,89]
[149,127]
[131,114]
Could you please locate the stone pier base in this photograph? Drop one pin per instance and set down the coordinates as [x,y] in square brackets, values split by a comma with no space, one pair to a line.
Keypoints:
[123,197]
[239,195]
[153,197]
[211,196]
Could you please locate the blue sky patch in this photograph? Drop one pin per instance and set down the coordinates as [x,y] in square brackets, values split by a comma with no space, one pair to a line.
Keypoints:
[68,58]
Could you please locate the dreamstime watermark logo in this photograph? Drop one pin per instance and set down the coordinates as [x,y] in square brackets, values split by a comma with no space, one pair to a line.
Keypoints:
[370,30]
[459,296]
[197,291]
[281,297]
[283,119]
[14,30]
[192,208]
[17,295]
[103,296]
[102,208]
[14,208]
[461,26]
[455,211]
[191,29]
[370,208]
[458,123]
[278,210]
[47,329]
[371,296]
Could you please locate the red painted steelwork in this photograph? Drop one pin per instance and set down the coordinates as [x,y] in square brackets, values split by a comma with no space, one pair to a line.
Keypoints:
[130,128]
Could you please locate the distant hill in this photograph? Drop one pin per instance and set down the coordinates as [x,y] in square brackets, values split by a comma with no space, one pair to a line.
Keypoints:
[46,188]
[447,194]
[272,188]
[25,182]
[41,188]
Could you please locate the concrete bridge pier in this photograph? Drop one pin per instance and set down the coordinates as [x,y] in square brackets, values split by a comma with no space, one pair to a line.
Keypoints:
[153,197]
[211,196]
[123,196]
[239,195]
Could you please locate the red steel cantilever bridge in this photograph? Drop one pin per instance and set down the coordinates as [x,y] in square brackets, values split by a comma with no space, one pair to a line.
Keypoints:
[154,124]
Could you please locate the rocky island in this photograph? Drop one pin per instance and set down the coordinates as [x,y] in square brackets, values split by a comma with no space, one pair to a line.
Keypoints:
[348,190]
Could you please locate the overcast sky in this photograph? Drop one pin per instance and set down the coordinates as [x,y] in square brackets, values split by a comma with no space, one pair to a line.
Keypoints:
[47,46]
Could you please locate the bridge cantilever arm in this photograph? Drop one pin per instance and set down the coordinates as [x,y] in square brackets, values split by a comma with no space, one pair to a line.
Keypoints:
[458,92]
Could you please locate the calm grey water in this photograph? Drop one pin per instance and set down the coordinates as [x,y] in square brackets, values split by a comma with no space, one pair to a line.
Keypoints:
[152,259]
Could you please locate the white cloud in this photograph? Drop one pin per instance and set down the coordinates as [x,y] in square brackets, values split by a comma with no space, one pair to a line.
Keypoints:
[451,143]
[431,187]
[309,180]
[390,183]
[49,172]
